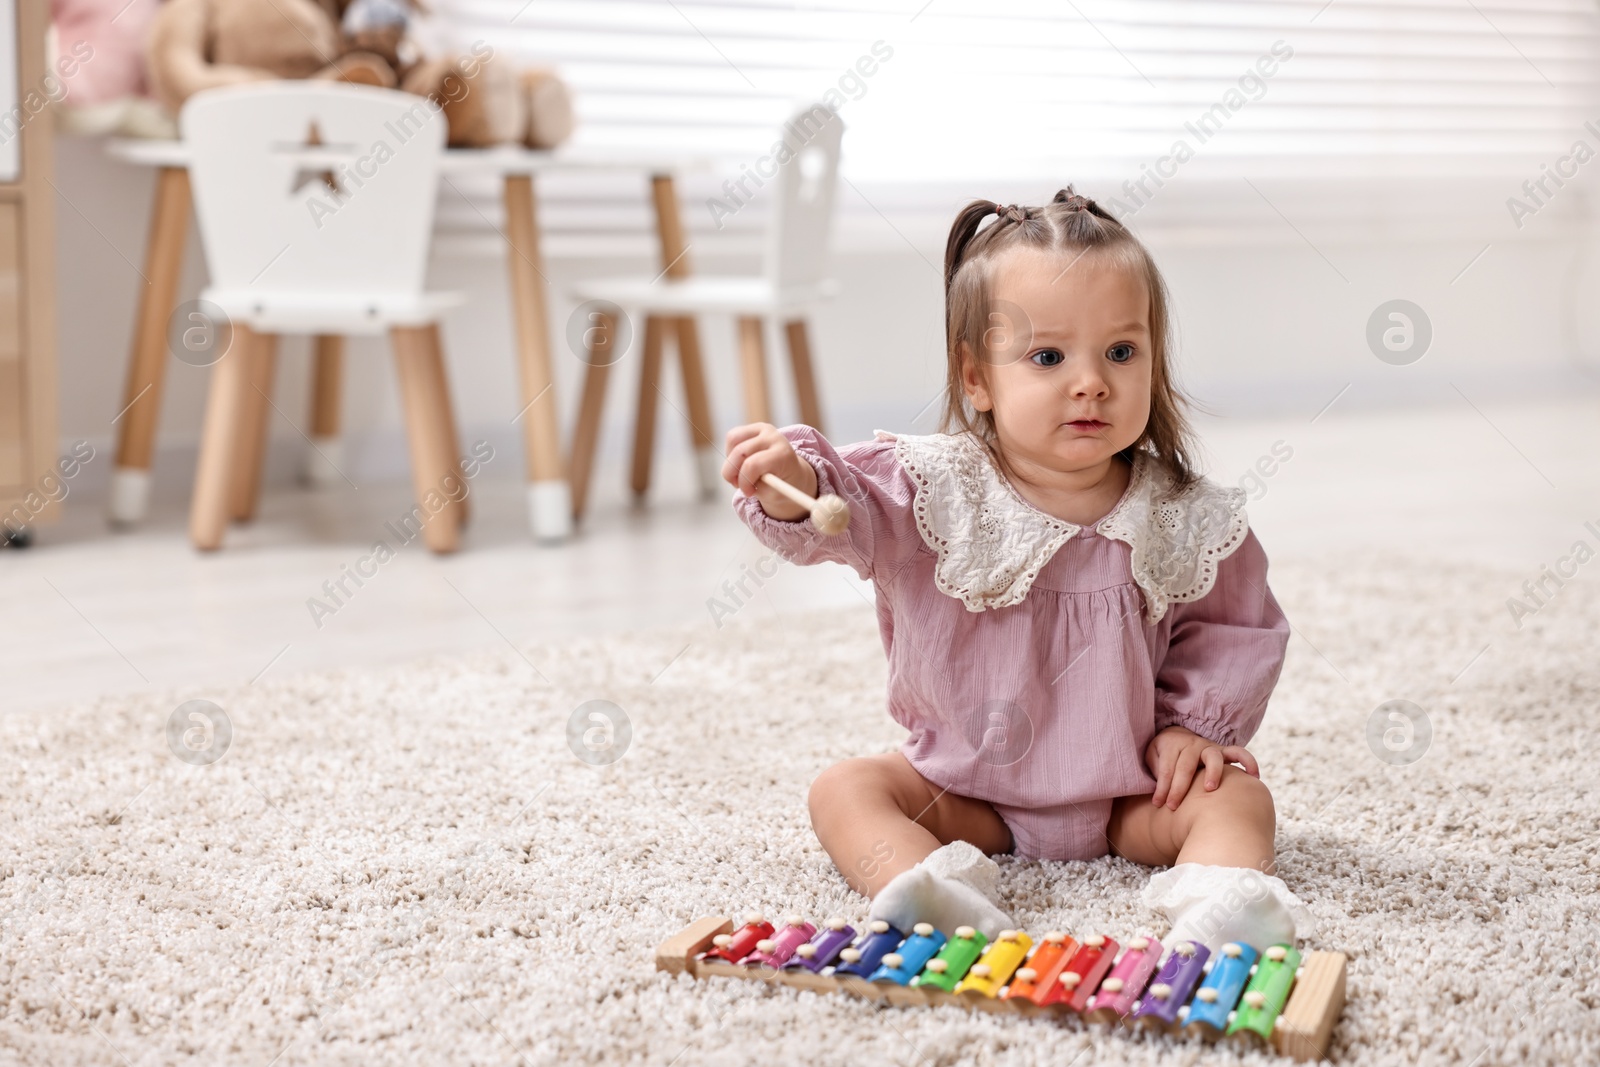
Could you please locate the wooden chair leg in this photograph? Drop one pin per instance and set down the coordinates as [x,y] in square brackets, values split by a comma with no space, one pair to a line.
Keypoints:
[147,364]
[254,428]
[586,432]
[805,382]
[427,434]
[752,356]
[327,384]
[707,456]
[327,394]
[675,264]
[231,387]
[451,457]
[644,426]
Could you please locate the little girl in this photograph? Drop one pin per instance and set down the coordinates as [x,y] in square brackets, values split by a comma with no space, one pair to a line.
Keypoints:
[1078,626]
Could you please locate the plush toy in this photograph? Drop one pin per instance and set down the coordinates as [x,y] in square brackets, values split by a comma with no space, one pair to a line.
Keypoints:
[98,84]
[202,44]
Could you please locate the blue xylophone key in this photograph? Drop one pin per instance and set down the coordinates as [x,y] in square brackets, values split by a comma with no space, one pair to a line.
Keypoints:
[1217,995]
[907,961]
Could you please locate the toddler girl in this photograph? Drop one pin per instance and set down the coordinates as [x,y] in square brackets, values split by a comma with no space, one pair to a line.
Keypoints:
[1078,627]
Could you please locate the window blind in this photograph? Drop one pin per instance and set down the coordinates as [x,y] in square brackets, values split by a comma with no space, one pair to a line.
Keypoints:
[948,98]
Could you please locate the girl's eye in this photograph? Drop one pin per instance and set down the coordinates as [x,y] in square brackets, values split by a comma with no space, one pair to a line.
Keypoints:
[1120,353]
[1048,357]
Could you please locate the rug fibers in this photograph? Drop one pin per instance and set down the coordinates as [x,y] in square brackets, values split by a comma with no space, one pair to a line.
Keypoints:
[410,866]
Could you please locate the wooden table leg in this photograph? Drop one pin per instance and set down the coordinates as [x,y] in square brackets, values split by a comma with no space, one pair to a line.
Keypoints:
[217,468]
[586,432]
[147,363]
[644,426]
[753,360]
[255,424]
[549,495]
[675,263]
[427,433]
[327,399]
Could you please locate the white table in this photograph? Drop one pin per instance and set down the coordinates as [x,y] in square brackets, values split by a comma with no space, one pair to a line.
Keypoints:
[550,501]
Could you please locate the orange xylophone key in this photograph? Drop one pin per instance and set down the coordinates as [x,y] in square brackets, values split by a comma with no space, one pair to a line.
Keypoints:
[1037,977]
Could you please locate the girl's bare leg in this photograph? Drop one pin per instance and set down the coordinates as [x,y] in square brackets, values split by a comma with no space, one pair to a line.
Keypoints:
[1223,885]
[1231,826]
[877,817]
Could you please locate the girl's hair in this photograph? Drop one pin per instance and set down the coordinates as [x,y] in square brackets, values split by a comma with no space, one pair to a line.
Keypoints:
[1073,226]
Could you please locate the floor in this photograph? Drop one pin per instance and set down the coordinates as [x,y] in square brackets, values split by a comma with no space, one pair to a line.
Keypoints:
[470,859]
[140,611]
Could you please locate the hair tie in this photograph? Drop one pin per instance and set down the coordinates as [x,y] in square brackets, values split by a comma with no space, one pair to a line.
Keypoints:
[1012,212]
[1074,202]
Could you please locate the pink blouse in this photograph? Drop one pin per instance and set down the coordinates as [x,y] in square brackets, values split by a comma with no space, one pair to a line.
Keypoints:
[1028,661]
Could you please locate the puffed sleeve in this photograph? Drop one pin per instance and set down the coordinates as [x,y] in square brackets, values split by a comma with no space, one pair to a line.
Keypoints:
[882,533]
[1225,653]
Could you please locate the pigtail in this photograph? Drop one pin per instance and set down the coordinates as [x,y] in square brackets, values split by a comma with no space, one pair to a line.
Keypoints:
[962,232]
[1100,212]
[1080,228]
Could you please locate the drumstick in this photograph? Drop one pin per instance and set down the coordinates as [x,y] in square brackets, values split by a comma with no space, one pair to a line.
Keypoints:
[829,514]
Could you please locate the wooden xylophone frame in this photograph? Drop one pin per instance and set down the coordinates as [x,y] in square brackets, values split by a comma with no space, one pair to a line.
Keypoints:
[1304,1032]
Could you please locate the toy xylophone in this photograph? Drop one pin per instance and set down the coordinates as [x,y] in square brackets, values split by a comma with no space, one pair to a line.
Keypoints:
[1274,998]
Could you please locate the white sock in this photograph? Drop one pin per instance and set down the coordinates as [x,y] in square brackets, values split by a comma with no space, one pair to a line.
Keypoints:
[1215,905]
[956,885]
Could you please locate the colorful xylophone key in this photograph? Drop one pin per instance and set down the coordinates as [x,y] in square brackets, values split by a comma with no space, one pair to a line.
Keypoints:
[1082,975]
[945,971]
[994,969]
[906,962]
[1169,990]
[1117,993]
[774,951]
[862,958]
[805,968]
[728,950]
[736,946]
[1208,1014]
[1032,982]
[1265,996]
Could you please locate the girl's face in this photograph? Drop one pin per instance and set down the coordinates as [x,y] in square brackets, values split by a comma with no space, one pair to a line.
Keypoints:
[1068,366]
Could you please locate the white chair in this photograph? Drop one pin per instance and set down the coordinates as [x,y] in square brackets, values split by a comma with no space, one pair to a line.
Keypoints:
[791,285]
[315,203]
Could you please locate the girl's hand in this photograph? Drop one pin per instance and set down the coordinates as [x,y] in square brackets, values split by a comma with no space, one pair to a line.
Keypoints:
[1174,754]
[759,449]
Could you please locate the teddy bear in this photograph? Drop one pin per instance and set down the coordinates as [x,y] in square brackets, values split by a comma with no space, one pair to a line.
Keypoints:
[99,84]
[202,44]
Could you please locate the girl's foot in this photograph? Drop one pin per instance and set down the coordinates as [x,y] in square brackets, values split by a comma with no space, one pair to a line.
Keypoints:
[955,886]
[1215,905]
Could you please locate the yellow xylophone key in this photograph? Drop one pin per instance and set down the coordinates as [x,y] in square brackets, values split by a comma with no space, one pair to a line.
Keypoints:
[999,961]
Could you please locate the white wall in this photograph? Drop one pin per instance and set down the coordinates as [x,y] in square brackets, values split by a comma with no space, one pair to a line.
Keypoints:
[1266,323]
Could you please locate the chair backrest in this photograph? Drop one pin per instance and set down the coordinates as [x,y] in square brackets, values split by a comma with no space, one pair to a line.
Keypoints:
[802,213]
[314,188]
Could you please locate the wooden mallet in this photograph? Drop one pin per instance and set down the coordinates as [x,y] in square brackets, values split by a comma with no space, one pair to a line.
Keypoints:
[829,514]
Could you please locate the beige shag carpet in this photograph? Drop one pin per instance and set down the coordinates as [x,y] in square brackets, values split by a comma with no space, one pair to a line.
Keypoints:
[410,866]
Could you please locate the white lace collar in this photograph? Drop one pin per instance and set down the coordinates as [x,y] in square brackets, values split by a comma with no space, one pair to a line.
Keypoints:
[992,543]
